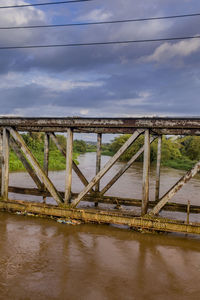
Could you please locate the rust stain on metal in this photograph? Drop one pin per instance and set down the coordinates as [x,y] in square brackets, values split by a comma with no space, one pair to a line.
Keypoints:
[101,217]
[134,126]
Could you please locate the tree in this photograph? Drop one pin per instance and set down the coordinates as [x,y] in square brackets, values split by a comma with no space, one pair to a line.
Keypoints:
[191,147]
[170,148]
[79,146]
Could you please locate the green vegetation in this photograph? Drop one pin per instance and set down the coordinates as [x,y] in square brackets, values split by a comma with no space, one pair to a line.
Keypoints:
[91,147]
[35,142]
[178,153]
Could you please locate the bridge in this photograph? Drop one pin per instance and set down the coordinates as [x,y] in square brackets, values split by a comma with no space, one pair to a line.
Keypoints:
[69,204]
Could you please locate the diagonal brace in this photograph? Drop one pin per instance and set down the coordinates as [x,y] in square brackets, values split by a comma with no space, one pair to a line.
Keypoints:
[26,164]
[124,168]
[107,167]
[74,165]
[40,173]
[177,186]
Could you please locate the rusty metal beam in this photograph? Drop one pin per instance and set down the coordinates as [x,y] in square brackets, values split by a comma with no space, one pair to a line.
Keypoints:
[158,164]
[179,131]
[40,173]
[46,156]
[98,162]
[103,122]
[26,164]
[146,169]
[108,130]
[74,165]
[107,167]
[5,165]
[101,217]
[46,153]
[68,177]
[1,152]
[124,168]
[170,206]
[179,125]
[177,186]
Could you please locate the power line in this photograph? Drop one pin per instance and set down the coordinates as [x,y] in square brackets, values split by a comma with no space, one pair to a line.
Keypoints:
[100,43]
[44,3]
[101,22]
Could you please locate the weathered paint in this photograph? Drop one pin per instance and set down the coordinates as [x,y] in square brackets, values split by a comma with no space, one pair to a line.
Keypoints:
[1,149]
[146,169]
[101,125]
[47,182]
[107,167]
[5,165]
[69,154]
[188,212]
[158,164]
[98,159]
[74,166]
[179,125]
[25,163]
[101,217]
[46,156]
[124,168]
[108,200]
[177,186]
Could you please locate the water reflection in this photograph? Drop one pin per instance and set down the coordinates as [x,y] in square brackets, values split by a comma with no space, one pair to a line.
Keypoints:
[41,259]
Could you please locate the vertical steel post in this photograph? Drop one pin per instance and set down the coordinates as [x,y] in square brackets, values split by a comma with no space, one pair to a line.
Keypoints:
[188,212]
[146,169]
[98,161]
[46,156]
[69,156]
[5,165]
[1,148]
[157,191]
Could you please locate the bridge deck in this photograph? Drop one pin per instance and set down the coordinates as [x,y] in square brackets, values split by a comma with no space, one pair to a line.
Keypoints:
[105,125]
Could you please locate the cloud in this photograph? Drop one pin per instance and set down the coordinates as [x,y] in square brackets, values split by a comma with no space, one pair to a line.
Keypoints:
[102,80]
[96,15]
[168,51]
[17,80]
[20,17]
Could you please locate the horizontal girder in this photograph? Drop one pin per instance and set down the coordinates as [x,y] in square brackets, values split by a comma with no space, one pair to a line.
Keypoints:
[189,126]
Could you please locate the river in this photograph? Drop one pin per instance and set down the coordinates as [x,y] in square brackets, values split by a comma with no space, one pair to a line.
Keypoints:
[42,259]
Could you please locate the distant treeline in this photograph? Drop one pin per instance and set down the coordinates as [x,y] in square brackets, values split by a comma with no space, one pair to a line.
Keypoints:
[177,152]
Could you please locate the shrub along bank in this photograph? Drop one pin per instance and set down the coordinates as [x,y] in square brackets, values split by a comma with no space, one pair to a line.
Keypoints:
[35,142]
[177,152]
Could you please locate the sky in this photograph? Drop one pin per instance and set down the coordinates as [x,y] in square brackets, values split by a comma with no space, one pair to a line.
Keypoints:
[148,79]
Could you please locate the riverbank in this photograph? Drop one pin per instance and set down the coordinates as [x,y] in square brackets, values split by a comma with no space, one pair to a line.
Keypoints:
[180,154]
[183,163]
[180,164]
[57,161]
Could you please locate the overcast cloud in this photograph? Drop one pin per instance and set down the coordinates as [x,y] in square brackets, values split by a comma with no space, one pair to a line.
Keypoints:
[147,79]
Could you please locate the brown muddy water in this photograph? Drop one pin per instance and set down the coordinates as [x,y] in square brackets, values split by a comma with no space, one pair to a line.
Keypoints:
[42,259]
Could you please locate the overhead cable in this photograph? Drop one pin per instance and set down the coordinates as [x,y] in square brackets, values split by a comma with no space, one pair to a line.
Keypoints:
[43,4]
[102,22]
[99,43]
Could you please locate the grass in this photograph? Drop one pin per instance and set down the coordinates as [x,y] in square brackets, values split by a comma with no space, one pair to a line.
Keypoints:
[181,164]
[56,160]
